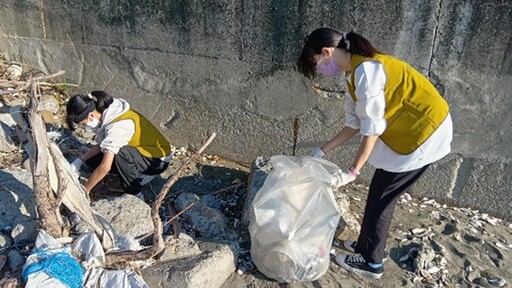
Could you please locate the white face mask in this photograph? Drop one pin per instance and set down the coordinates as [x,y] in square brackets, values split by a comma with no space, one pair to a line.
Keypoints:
[93,124]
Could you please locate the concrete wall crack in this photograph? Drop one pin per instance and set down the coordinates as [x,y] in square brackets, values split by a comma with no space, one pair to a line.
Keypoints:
[436,29]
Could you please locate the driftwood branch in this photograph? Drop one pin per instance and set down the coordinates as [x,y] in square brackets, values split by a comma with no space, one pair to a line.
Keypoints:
[27,85]
[52,177]
[174,218]
[158,243]
[46,201]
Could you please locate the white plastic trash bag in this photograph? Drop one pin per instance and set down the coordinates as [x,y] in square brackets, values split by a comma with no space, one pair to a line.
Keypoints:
[293,219]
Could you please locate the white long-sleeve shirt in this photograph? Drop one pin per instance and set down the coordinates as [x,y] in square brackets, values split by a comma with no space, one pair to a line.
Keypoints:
[367,115]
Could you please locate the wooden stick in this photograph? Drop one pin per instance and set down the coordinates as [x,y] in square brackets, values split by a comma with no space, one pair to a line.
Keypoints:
[159,245]
[227,188]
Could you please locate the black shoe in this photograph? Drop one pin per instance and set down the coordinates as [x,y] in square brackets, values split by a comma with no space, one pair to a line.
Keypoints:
[350,246]
[357,264]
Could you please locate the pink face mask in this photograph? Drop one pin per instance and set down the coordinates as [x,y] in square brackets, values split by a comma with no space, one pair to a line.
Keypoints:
[329,69]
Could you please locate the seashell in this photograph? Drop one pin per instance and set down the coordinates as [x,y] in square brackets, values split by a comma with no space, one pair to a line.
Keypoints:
[434,270]
[419,232]
[493,221]
[501,245]
[497,281]
[404,258]
[430,202]
[476,223]
[424,273]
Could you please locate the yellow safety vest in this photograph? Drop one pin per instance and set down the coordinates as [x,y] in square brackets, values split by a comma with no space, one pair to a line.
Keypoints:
[414,108]
[147,139]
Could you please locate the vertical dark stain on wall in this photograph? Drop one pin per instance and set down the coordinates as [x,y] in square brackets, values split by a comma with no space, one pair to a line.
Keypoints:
[506,63]
[296,129]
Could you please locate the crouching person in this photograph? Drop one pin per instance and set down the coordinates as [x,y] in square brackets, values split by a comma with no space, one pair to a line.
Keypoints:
[127,143]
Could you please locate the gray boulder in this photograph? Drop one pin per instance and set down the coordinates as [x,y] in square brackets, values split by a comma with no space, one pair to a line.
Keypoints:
[17,198]
[130,216]
[209,221]
[207,270]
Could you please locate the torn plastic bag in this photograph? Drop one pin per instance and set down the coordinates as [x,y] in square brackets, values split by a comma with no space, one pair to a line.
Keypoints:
[293,218]
[51,265]
[88,248]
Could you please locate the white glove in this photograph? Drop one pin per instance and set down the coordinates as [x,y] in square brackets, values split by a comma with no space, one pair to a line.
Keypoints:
[75,165]
[345,177]
[317,153]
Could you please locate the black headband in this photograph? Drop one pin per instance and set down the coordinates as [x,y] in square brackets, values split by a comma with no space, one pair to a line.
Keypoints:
[80,117]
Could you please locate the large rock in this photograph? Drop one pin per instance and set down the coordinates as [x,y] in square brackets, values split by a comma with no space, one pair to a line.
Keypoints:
[6,143]
[130,216]
[6,122]
[211,222]
[207,270]
[179,247]
[16,197]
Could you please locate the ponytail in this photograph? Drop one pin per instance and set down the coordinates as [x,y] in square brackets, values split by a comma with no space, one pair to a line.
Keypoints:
[357,44]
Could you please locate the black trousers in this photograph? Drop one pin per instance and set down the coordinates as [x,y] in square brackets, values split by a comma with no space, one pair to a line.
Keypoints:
[130,165]
[385,189]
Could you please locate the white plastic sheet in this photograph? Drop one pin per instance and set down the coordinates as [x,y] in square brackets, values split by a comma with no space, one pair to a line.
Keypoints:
[89,250]
[293,218]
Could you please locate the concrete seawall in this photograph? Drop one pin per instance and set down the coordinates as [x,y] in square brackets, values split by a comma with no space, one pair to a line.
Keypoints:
[194,67]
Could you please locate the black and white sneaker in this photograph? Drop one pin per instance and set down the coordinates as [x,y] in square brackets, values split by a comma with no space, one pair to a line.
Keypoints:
[350,246]
[356,264]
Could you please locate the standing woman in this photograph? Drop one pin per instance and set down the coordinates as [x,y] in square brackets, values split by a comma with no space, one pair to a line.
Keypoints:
[405,126]
[127,143]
